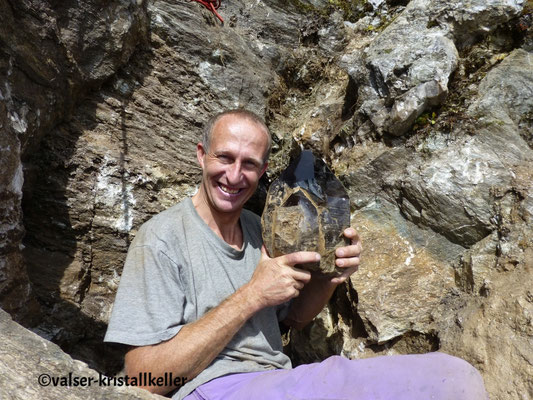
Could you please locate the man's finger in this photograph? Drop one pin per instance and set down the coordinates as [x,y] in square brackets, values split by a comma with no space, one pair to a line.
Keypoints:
[344,276]
[300,257]
[348,251]
[349,262]
[301,275]
[298,285]
[352,234]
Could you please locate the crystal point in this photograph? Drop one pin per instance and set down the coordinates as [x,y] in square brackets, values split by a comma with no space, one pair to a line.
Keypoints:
[307,209]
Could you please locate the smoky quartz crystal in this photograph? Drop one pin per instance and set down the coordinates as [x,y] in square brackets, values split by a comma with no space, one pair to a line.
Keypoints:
[307,209]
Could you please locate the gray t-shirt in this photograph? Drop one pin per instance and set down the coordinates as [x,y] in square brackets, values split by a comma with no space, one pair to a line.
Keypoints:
[177,269]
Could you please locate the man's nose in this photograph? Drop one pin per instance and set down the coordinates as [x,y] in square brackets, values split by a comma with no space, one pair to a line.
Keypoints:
[234,173]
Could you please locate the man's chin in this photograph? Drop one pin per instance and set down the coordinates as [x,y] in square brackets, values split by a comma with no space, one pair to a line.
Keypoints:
[229,206]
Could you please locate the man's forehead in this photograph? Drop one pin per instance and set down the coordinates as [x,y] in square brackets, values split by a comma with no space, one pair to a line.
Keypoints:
[235,118]
[225,124]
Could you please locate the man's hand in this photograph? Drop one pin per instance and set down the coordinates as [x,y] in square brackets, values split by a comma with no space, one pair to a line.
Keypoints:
[319,290]
[276,280]
[348,257]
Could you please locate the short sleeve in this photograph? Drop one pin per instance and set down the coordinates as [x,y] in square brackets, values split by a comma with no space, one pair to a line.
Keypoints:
[150,301]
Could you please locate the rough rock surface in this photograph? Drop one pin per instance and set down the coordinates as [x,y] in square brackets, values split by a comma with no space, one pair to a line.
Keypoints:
[447,218]
[50,55]
[495,332]
[406,69]
[423,108]
[28,363]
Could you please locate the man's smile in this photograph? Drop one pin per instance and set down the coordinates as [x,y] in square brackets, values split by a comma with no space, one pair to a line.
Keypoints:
[228,190]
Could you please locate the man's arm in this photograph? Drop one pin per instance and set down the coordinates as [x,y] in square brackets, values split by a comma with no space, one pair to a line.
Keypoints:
[274,281]
[315,295]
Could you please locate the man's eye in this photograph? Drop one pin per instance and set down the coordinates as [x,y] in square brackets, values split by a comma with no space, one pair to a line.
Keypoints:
[250,165]
[224,158]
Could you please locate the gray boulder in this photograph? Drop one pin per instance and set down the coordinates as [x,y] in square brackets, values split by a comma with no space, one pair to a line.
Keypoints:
[29,366]
[407,68]
[454,190]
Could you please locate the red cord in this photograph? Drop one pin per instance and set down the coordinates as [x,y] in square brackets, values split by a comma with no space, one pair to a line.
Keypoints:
[211,5]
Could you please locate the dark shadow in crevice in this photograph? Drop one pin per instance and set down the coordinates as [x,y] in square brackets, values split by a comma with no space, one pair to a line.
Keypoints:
[350,100]
[395,3]
[411,342]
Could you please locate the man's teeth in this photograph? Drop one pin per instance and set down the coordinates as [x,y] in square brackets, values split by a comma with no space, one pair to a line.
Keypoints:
[228,190]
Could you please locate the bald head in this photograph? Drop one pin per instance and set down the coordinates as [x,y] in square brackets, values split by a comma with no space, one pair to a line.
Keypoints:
[239,113]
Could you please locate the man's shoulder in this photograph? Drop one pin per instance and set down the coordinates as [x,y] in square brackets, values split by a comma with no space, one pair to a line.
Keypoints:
[166,216]
[163,223]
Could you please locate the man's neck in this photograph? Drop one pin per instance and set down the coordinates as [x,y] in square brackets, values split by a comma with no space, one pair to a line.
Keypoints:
[225,225]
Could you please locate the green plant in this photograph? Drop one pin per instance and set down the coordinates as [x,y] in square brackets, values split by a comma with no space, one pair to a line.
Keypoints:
[425,119]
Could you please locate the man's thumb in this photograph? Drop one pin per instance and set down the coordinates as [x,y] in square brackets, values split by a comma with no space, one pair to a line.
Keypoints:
[264,251]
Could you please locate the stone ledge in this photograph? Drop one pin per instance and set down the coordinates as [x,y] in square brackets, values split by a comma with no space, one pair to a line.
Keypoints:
[25,356]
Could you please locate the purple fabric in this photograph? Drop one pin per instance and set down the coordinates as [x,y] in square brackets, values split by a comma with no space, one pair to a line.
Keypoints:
[408,377]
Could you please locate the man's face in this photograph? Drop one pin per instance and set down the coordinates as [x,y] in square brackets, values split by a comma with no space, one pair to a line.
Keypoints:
[234,163]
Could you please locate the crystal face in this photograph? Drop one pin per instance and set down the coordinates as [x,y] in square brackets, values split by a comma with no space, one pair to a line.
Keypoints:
[307,209]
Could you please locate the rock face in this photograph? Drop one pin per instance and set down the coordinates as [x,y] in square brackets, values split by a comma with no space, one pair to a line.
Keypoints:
[423,109]
[306,209]
[50,56]
[406,69]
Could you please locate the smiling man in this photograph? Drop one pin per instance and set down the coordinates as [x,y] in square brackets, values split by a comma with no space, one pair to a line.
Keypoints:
[233,156]
[201,303]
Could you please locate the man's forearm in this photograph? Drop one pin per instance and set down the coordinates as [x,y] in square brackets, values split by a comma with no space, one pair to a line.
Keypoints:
[274,282]
[197,344]
[313,297]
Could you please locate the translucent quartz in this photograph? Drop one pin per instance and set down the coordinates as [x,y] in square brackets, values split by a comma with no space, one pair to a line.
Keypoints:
[307,208]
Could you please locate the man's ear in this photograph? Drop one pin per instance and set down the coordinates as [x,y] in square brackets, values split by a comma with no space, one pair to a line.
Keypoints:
[263,170]
[200,154]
